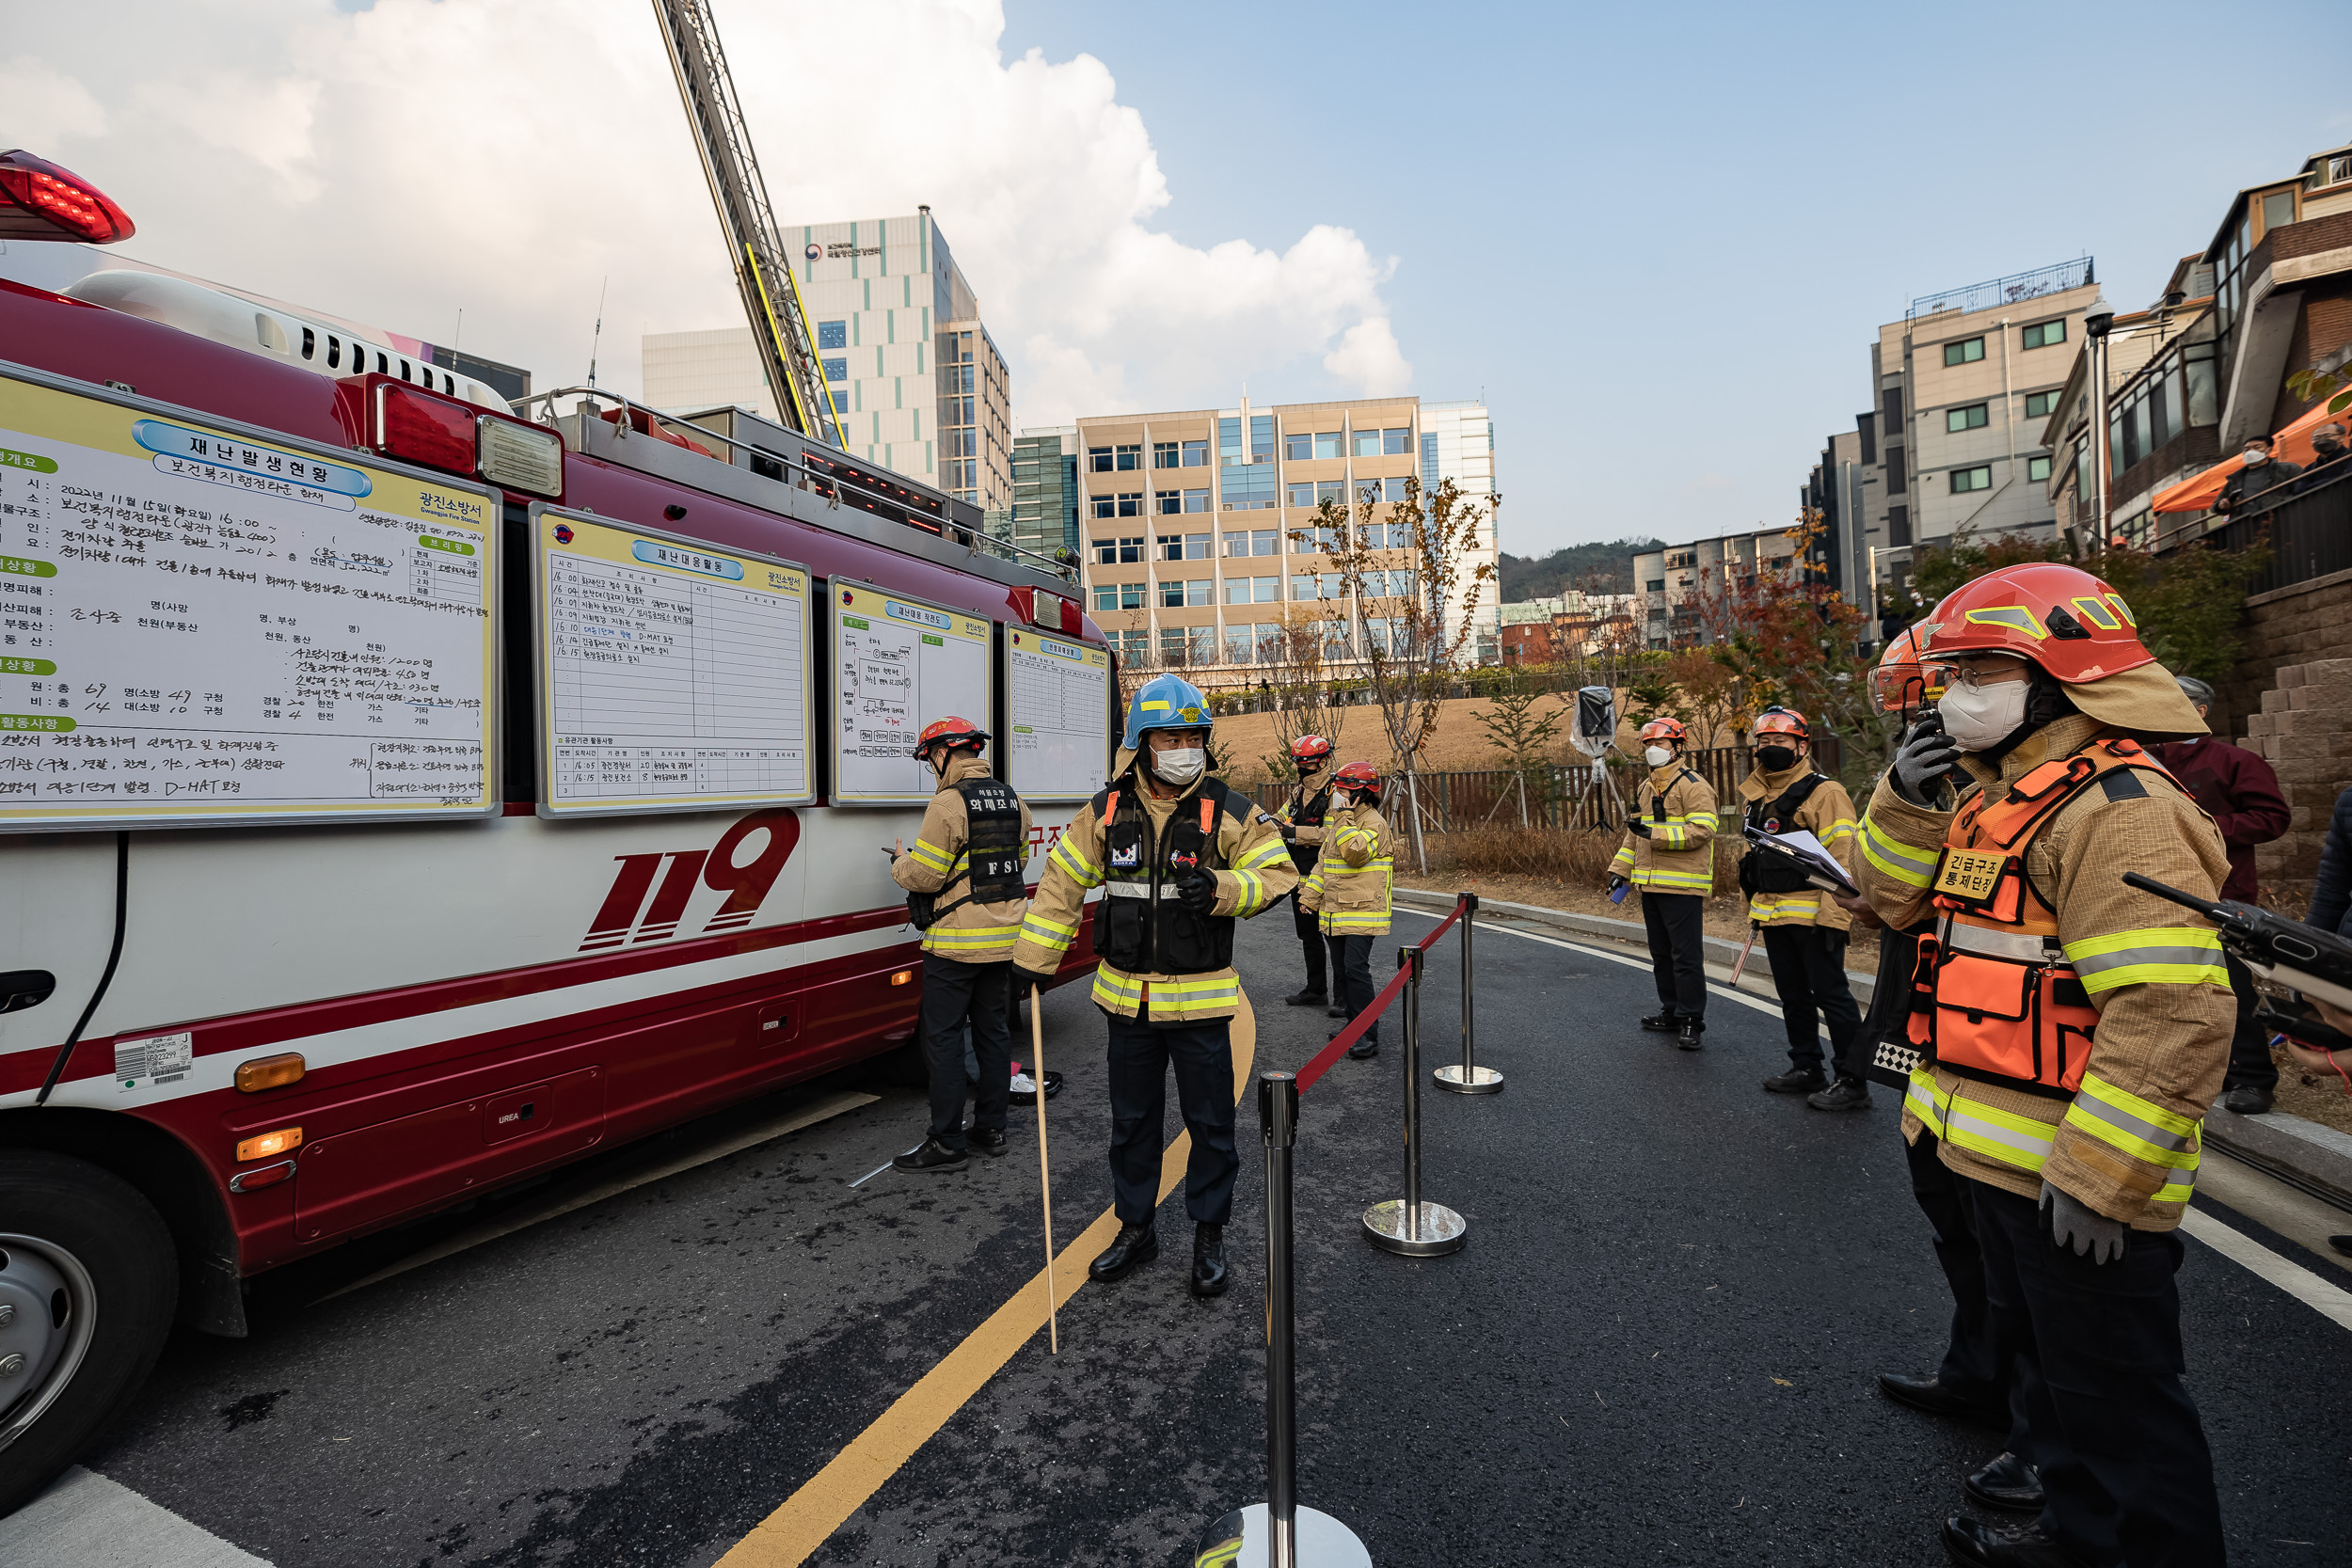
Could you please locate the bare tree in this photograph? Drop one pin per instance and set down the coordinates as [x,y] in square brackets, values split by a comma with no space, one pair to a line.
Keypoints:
[1295,655]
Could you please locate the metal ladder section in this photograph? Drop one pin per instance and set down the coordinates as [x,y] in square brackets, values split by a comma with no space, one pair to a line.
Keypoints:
[763,270]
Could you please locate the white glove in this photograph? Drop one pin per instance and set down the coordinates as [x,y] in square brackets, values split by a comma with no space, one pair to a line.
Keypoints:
[2076,1224]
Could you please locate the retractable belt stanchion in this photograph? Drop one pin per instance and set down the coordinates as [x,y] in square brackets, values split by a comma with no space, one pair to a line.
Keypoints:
[1470,1078]
[1410,1225]
[1278,1532]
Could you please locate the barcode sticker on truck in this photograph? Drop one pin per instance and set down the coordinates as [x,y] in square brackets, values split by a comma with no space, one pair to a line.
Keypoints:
[155,1060]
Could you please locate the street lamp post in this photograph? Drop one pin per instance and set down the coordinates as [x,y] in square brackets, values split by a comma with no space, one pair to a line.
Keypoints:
[2096,323]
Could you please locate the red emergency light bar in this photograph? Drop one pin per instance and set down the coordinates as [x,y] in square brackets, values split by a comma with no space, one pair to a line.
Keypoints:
[422,427]
[39,200]
[1050,610]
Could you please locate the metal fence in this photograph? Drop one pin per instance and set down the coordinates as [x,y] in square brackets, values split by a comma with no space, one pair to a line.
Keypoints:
[2310,534]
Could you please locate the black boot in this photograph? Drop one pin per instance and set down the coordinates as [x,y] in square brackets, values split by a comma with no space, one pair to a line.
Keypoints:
[1368,1046]
[1660,1023]
[1687,1032]
[1845,1094]
[1309,997]
[986,1141]
[2009,1481]
[1930,1394]
[1335,1010]
[1973,1543]
[931,1154]
[1797,1080]
[1208,1260]
[1134,1246]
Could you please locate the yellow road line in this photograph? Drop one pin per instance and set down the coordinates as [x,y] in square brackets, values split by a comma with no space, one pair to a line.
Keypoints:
[827,1499]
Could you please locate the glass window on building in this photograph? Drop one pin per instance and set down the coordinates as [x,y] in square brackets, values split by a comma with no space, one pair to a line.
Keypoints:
[1107,596]
[2203,399]
[1200,593]
[2038,469]
[1197,500]
[1229,442]
[1367,443]
[1975,415]
[1130,457]
[836,370]
[1167,501]
[1261,438]
[1131,504]
[1331,490]
[1196,547]
[833,334]
[1396,443]
[1966,351]
[1167,546]
[2044,334]
[1196,455]
[2041,405]
[1131,596]
[1250,488]
[1172,594]
[2278,210]
[1164,454]
[1965,480]
[1261,541]
[1241,644]
[1098,460]
[1297,446]
[1302,495]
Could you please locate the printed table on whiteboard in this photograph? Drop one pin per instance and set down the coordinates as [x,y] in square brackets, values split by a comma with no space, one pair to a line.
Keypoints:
[900,664]
[197,625]
[678,675]
[1061,716]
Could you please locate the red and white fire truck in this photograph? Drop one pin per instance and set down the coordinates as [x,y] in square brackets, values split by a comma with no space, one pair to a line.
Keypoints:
[223,1048]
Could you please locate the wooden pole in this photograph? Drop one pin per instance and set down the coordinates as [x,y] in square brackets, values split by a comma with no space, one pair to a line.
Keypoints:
[1044,1177]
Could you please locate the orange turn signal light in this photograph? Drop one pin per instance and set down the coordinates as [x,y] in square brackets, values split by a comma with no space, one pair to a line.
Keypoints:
[284,1141]
[901,977]
[270,1073]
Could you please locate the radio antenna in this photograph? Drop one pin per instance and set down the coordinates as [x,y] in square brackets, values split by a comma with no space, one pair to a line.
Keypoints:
[597,336]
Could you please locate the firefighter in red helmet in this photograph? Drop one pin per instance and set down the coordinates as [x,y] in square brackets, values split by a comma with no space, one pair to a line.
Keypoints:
[2073,1031]
[1669,854]
[1349,893]
[1301,815]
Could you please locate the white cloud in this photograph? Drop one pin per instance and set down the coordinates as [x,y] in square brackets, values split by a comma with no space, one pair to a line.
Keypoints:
[506,157]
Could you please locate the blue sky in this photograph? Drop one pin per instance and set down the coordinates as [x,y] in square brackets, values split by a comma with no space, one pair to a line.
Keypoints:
[1699,214]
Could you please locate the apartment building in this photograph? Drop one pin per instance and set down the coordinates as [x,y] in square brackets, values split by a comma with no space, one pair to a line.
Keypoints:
[1197,525]
[2195,373]
[917,381]
[1674,586]
[1839,491]
[1547,630]
[1966,383]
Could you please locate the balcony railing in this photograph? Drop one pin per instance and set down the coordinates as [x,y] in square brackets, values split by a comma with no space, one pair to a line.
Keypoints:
[2310,534]
[2011,290]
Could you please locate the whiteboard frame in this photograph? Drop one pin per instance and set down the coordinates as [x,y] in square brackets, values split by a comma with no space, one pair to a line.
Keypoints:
[493,712]
[833,685]
[1110,684]
[543,673]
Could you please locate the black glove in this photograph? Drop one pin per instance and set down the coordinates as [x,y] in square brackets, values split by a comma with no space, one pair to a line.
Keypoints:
[1926,755]
[1024,980]
[1637,826]
[1196,889]
[1615,883]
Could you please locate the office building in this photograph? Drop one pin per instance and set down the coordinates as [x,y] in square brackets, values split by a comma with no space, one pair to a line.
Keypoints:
[917,382]
[1838,494]
[1044,516]
[1197,526]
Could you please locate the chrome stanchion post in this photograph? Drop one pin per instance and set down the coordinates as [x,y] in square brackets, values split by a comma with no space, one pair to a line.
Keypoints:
[1470,1078]
[1278,1532]
[1410,1225]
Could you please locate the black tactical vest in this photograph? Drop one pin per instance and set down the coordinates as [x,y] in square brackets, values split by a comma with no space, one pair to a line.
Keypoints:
[995,854]
[1767,873]
[1311,815]
[1139,924]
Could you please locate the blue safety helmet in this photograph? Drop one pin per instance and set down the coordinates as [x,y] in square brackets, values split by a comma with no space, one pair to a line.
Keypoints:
[1165,703]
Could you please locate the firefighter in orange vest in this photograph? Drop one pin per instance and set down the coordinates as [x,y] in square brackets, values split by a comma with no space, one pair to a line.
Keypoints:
[2073,1030]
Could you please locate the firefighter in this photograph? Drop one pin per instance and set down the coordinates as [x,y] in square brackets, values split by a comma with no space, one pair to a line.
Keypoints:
[2075,1030]
[1804,931]
[967,862]
[1178,857]
[1971,1383]
[1349,893]
[1668,853]
[1301,816]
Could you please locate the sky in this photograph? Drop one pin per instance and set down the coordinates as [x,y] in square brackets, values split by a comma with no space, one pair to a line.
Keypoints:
[1656,240]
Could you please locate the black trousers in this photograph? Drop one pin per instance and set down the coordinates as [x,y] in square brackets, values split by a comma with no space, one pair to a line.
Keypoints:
[1310,943]
[2250,1067]
[1676,955]
[1970,1368]
[954,993]
[1809,971]
[1351,961]
[1203,1055]
[2125,1471]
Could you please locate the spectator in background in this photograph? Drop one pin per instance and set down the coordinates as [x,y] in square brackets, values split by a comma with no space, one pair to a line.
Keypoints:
[2264,477]
[2332,892]
[2238,790]
[2328,453]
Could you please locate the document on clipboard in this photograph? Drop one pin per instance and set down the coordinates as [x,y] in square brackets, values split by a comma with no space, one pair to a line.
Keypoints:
[1821,867]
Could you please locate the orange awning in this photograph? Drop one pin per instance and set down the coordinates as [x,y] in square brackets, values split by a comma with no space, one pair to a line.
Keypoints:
[2199,492]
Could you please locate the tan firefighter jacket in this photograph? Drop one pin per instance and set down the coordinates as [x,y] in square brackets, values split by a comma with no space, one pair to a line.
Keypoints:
[974,933]
[1350,887]
[1678,856]
[1257,873]
[1828,815]
[2127,1143]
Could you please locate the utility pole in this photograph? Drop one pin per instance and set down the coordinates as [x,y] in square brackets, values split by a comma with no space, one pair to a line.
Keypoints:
[2097,322]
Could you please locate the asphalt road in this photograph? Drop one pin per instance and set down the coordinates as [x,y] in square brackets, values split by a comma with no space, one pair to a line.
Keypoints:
[1656,1347]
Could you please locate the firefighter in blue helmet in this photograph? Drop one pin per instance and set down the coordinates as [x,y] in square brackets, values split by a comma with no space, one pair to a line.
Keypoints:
[1178,857]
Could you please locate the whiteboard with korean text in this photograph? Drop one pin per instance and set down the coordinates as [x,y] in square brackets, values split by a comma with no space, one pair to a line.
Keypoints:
[673,676]
[204,625]
[899,664]
[1060,708]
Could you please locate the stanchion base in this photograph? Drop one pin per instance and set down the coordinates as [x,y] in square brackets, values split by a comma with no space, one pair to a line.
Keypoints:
[1443,1230]
[1461,1080]
[1240,1540]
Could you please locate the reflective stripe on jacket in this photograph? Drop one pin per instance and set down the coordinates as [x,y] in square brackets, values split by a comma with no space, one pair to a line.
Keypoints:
[938,863]
[1351,887]
[1678,856]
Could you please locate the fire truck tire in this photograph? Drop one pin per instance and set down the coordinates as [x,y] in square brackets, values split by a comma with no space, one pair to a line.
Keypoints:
[89,1281]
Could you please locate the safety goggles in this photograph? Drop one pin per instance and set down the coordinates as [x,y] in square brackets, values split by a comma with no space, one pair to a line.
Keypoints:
[1940,677]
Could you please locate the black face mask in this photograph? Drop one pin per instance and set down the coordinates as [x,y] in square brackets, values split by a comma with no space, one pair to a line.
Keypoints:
[1775,759]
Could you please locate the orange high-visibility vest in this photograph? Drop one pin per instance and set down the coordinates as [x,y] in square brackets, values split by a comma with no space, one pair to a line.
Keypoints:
[1994,995]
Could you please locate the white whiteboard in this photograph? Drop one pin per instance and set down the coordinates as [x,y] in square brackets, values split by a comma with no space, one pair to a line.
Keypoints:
[673,676]
[1058,702]
[203,625]
[899,664]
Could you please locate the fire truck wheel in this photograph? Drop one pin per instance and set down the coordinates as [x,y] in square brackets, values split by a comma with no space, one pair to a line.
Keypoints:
[89,1281]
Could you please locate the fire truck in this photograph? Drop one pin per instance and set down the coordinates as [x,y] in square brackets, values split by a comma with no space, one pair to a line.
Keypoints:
[227,1045]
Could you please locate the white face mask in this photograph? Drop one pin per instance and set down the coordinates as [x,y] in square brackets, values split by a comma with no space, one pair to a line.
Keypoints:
[1977,717]
[2255,459]
[1657,757]
[1180,767]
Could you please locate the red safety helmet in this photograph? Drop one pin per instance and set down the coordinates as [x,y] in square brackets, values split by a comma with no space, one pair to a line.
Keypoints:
[950,731]
[1781,721]
[1359,776]
[2060,617]
[1663,729]
[1309,747]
